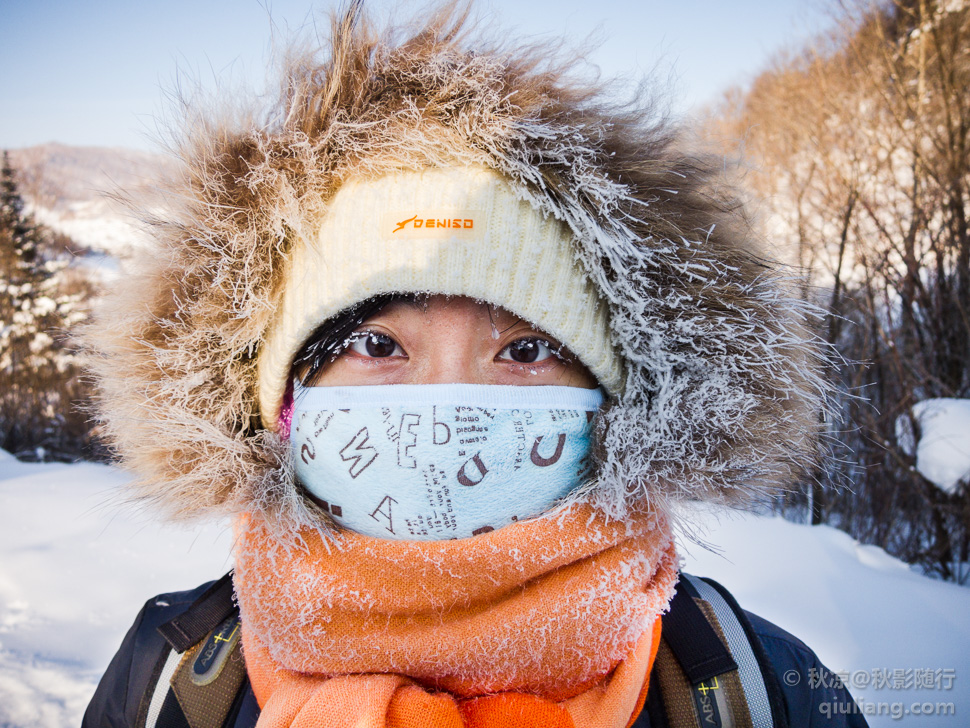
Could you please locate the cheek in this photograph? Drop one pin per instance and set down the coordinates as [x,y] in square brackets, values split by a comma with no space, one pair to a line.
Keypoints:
[331,375]
[558,373]
[347,371]
[580,376]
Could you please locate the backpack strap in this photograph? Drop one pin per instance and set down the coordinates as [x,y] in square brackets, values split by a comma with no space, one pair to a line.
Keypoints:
[198,677]
[692,638]
[711,669]
[207,612]
[755,669]
[156,709]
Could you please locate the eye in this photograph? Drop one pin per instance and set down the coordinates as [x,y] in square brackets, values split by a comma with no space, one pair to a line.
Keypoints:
[527,351]
[374,345]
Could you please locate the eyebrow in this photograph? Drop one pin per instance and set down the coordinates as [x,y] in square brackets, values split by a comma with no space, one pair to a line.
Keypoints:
[417,301]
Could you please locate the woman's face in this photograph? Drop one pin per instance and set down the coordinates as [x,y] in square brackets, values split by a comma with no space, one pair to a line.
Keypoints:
[443,340]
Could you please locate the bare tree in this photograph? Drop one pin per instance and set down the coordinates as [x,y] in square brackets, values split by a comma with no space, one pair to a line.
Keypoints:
[861,147]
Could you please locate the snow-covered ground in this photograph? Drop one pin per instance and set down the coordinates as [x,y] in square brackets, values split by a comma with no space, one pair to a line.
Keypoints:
[900,640]
[75,568]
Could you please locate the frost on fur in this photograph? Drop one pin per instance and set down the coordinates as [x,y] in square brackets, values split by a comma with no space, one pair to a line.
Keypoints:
[722,378]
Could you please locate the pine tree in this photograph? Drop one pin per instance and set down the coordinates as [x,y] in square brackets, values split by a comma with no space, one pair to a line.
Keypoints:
[38,373]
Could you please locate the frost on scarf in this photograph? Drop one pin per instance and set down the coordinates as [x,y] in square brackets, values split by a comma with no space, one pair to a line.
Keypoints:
[722,376]
[548,606]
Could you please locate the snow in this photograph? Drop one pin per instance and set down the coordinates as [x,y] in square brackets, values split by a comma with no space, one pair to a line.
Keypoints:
[95,224]
[862,611]
[75,569]
[943,450]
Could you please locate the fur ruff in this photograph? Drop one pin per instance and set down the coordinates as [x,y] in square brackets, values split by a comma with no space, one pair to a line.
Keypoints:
[723,387]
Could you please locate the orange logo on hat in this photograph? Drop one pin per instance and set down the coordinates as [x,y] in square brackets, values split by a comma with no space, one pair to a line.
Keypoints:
[418,223]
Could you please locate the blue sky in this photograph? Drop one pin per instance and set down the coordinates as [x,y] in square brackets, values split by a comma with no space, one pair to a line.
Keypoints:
[97,72]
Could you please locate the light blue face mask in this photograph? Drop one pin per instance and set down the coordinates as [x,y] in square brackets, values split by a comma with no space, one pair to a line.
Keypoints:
[440,461]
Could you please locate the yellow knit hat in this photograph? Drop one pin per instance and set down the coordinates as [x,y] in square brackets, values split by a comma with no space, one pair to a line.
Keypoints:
[454,231]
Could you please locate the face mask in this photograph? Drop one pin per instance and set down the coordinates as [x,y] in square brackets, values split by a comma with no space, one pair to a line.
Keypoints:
[440,461]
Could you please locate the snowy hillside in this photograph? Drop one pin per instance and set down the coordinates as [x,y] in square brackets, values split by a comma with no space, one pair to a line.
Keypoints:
[69,189]
[75,568]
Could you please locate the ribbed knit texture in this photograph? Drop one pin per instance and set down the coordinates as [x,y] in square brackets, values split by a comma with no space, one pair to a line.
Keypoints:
[495,248]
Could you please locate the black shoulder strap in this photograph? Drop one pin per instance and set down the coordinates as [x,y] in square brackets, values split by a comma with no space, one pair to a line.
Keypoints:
[695,677]
[693,641]
[200,674]
[210,610]
[698,660]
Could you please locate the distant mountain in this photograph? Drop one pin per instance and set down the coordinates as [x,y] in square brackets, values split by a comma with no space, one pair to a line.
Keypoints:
[69,189]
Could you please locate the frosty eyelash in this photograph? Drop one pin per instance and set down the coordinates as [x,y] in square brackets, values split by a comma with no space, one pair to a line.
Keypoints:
[555,350]
[378,338]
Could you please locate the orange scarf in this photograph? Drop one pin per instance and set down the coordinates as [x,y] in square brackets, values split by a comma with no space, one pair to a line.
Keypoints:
[547,622]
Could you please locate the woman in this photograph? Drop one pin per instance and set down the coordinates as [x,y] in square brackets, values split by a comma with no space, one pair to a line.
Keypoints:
[447,333]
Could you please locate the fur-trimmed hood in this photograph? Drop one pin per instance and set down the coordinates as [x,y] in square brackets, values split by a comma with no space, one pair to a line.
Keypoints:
[722,387]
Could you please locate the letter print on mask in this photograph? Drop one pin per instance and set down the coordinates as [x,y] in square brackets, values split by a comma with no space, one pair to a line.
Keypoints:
[440,461]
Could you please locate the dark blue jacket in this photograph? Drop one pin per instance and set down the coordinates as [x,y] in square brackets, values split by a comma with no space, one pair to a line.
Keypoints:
[119,695]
